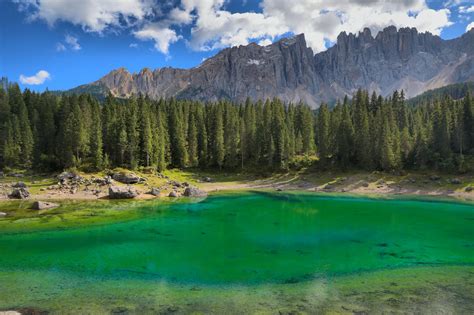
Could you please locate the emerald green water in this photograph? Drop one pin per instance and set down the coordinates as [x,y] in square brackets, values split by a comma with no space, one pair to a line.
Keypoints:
[249,241]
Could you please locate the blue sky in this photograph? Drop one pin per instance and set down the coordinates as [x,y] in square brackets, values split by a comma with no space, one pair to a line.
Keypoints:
[60,44]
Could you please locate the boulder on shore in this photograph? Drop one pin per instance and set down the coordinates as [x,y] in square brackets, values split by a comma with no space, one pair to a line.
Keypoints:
[154,191]
[173,194]
[64,176]
[19,193]
[3,214]
[127,178]
[43,205]
[194,192]
[116,192]
[19,185]
[455,181]
[328,187]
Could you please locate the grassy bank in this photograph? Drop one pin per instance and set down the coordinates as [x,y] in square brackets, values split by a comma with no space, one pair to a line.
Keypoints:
[355,182]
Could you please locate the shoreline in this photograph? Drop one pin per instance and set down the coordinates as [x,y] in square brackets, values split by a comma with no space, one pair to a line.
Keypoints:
[356,184]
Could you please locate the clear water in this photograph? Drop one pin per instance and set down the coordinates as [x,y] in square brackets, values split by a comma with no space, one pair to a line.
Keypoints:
[251,239]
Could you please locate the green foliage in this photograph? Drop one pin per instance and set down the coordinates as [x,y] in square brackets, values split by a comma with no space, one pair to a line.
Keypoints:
[50,132]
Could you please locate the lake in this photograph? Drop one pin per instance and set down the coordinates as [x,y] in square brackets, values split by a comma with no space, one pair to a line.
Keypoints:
[247,252]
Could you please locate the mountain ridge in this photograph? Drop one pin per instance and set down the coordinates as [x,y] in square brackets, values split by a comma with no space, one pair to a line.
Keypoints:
[288,69]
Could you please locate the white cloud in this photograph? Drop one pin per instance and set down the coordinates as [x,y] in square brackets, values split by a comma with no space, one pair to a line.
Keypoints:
[70,42]
[466,9]
[36,79]
[161,35]
[133,45]
[60,47]
[91,15]
[469,26]
[73,42]
[265,42]
[213,27]
[321,20]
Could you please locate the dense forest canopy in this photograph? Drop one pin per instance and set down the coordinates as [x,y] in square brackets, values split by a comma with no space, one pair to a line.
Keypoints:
[50,132]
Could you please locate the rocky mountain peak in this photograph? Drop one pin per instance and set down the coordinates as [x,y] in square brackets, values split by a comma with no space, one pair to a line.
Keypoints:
[393,59]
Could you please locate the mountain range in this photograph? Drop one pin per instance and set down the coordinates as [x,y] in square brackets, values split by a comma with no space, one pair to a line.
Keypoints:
[391,60]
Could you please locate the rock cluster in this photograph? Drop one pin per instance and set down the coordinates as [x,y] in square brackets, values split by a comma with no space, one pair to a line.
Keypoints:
[68,182]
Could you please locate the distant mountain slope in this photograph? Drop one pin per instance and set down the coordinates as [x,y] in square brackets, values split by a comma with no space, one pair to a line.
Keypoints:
[288,69]
[455,91]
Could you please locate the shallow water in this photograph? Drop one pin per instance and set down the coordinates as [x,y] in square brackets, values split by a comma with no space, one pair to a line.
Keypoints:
[247,240]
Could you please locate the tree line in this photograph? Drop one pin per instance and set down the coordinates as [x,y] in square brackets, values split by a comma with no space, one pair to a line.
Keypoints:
[44,131]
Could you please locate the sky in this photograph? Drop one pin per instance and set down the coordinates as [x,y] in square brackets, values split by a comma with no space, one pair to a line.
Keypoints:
[60,44]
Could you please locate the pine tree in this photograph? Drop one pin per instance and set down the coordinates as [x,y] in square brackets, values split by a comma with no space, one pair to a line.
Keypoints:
[231,136]
[323,134]
[145,132]
[193,141]
[344,138]
[177,136]
[96,138]
[468,125]
[219,146]
[362,136]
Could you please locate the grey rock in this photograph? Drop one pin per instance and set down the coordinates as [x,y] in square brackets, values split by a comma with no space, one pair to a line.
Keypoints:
[66,175]
[173,194]
[19,193]
[288,69]
[3,214]
[107,180]
[117,192]
[19,185]
[455,181]
[207,179]
[43,205]
[328,187]
[469,189]
[126,178]
[154,191]
[194,192]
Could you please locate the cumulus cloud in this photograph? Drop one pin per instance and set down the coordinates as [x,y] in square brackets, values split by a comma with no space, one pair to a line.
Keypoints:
[36,79]
[133,45]
[91,15]
[466,9]
[469,26]
[265,42]
[161,35]
[321,21]
[213,26]
[73,42]
[70,42]
[60,47]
